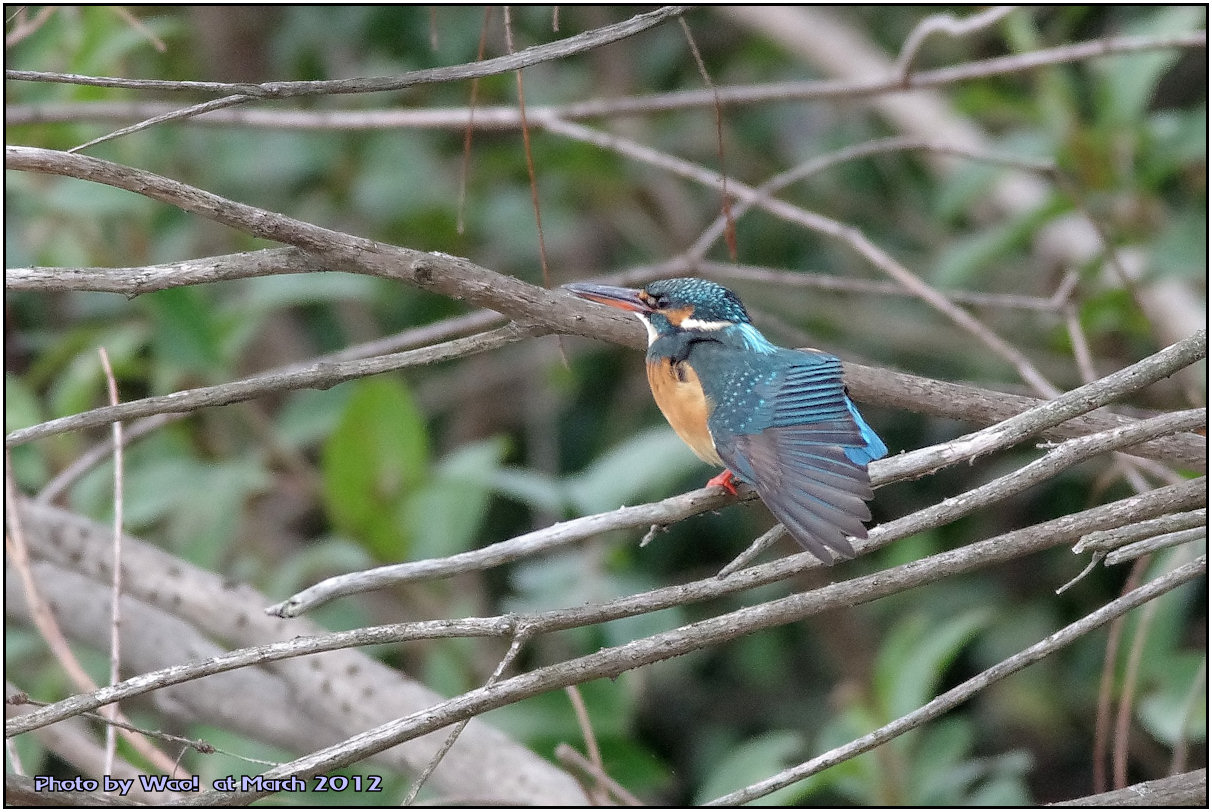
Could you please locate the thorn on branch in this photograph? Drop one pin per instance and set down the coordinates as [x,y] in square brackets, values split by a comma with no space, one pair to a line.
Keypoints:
[652,533]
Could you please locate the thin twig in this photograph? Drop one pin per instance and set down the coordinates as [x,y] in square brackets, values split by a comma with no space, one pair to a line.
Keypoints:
[315,376]
[137,25]
[729,227]
[492,555]
[613,108]
[1106,540]
[115,648]
[950,699]
[867,149]
[27,25]
[723,271]
[44,619]
[596,792]
[593,772]
[521,635]
[242,93]
[910,465]
[465,165]
[569,46]
[610,662]
[1127,692]
[1106,689]
[944,24]
[850,236]
[1131,551]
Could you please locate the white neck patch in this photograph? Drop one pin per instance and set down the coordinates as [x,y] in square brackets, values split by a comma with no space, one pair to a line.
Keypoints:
[652,333]
[691,323]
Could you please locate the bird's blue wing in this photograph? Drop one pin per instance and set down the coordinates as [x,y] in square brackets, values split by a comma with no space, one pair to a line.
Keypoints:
[805,448]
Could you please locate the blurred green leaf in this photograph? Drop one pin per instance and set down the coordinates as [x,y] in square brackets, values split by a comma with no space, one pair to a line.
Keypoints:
[200,502]
[1130,80]
[1180,248]
[376,457]
[22,409]
[445,514]
[647,464]
[311,415]
[967,260]
[187,337]
[751,761]
[1176,709]
[916,652]
[540,491]
[1006,785]
[79,384]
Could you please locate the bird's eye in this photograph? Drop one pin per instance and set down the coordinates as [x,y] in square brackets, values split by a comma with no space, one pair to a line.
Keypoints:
[658,301]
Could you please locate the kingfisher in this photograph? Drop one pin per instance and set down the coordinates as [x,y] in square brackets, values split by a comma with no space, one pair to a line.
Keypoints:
[779,420]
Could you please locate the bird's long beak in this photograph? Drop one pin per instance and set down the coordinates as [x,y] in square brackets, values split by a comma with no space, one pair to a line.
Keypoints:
[622,298]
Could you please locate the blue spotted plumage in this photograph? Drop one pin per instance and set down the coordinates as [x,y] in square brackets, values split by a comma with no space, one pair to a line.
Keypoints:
[777,419]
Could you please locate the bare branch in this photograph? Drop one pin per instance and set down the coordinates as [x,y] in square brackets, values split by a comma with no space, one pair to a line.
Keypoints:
[1105,541]
[503,117]
[450,276]
[610,662]
[945,24]
[249,92]
[666,511]
[1058,410]
[847,235]
[950,699]
[561,49]
[294,703]
[257,655]
[137,281]
[321,375]
[972,404]
[115,649]
[1132,551]
[676,508]
[1185,790]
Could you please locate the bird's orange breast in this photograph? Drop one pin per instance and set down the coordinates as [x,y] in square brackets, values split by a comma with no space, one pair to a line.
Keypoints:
[678,393]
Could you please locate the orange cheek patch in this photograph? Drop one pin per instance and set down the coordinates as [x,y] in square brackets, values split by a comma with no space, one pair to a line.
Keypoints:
[676,317]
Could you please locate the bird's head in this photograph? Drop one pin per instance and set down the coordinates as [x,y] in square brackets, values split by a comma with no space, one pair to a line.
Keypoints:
[670,306]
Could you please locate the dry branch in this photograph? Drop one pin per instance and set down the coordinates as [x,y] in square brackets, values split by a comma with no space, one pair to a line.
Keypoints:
[362,709]
[296,702]
[535,309]
[502,117]
[611,662]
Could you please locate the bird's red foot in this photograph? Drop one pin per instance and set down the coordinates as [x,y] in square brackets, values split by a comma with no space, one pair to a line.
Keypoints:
[723,480]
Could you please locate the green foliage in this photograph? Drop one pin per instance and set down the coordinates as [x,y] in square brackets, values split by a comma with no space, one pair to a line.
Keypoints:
[1173,677]
[751,761]
[929,766]
[444,515]
[374,462]
[547,720]
[642,466]
[381,487]
[288,489]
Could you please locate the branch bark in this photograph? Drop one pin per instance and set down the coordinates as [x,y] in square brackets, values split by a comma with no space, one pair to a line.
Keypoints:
[611,662]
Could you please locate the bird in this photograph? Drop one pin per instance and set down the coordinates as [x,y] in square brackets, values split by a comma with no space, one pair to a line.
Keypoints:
[777,419]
